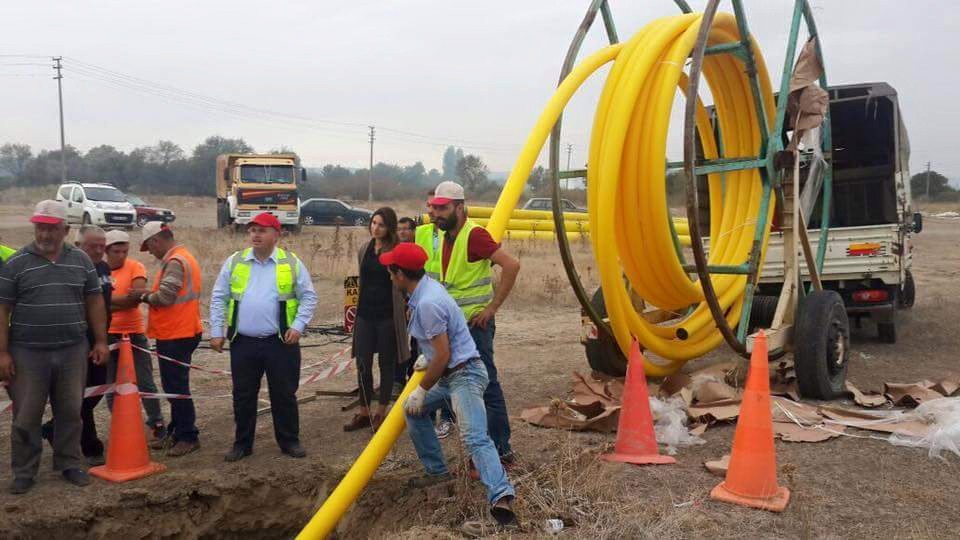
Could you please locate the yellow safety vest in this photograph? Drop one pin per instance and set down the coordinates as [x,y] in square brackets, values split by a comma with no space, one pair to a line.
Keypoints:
[469,283]
[6,253]
[287,267]
[428,237]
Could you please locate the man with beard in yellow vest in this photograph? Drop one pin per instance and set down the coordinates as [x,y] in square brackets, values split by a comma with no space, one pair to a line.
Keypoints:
[463,262]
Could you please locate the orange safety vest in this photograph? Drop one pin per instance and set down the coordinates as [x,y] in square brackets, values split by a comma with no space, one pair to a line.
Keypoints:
[182,318]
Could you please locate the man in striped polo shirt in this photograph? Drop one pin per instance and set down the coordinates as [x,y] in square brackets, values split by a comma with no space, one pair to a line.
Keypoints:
[50,293]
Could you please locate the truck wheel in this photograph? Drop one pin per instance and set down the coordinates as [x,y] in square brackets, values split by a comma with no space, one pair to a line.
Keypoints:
[223,218]
[821,345]
[887,332]
[908,293]
[603,354]
[86,219]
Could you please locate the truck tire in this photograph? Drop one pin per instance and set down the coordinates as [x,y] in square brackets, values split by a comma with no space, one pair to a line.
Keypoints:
[887,332]
[762,311]
[908,293]
[86,219]
[603,354]
[821,345]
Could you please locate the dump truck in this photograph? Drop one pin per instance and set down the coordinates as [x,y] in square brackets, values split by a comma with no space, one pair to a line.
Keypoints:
[248,184]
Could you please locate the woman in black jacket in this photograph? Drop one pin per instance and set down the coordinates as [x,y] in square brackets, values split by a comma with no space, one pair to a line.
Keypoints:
[381,326]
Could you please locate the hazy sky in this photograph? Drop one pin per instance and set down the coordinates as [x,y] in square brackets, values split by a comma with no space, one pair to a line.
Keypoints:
[473,74]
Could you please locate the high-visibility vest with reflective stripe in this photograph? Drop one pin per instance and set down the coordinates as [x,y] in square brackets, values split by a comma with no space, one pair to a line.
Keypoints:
[182,318]
[6,253]
[428,237]
[469,283]
[287,267]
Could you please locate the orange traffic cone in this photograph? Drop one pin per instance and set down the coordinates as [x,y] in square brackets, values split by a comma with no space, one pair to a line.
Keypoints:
[127,456]
[752,475]
[636,441]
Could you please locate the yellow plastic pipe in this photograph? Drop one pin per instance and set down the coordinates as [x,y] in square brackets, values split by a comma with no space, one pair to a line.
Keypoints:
[325,520]
[626,181]
[487,211]
[514,234]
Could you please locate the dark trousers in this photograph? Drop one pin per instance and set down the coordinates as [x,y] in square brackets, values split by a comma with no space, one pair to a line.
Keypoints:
[498,423]
[250,358]
[176,380]
[375,337]
[57,374]
[90,443]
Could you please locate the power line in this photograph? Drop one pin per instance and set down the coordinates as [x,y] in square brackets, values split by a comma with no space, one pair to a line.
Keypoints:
[373,132]
[95,70]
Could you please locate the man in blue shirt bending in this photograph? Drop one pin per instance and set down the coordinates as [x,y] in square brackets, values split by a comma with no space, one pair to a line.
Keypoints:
[264,298]
[455,373]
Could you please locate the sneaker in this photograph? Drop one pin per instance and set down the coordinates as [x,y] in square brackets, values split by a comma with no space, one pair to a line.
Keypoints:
[96,461]
[76,477]
[19,486]
[183,448]
[428,480]
[444,429]
[158,431]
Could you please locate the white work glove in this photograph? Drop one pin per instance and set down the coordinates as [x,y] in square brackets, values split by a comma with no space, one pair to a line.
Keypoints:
[421,363]
[414,403]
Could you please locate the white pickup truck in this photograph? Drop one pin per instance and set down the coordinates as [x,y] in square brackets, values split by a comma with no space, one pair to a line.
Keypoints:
[869,252]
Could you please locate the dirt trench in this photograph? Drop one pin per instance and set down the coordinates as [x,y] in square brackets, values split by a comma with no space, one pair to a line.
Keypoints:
[272,504]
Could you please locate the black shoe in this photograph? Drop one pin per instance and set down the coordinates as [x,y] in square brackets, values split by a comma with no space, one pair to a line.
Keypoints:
[96,461]
[236,454]
[294,450]
[76,477]
[19,486]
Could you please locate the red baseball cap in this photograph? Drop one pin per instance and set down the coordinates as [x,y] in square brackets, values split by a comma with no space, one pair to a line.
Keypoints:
[406,255]
[266,219]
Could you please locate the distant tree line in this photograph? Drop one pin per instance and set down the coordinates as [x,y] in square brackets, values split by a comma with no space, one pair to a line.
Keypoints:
[933,186]
[166,168]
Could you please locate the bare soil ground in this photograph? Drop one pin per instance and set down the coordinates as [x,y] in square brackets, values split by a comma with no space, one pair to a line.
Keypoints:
[846,487]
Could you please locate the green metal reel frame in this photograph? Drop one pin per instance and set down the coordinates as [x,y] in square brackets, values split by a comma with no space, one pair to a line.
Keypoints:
[771,143]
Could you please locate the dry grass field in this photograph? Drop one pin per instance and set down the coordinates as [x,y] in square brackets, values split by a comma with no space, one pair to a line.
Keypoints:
[849,487]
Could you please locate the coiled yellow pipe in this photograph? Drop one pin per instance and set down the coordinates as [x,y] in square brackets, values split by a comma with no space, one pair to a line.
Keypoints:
[626,181]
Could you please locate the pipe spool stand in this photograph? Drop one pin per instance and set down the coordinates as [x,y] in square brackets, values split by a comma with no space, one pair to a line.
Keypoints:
[806,319]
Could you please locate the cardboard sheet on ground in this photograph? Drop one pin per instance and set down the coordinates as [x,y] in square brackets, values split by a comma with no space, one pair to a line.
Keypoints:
[574,416]
[892,421]
[718,466]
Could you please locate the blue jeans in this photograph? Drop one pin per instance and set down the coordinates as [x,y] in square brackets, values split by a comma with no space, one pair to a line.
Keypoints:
[464,389]
[498,423]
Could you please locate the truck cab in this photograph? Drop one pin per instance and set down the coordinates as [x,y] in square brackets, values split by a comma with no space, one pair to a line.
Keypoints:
[248,184]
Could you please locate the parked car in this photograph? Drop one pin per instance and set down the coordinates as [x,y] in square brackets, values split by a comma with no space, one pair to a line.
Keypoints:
[97,204]
[332,212]
[544,203]
[147,212]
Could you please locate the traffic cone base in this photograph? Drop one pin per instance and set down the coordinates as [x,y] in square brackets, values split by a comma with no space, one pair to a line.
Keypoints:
[636,440]
[652,459]
[101,471]
[774,503]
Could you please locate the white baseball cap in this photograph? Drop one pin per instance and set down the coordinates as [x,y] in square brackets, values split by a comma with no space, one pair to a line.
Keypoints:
[446,193]
[50,212]
[116,236]
[151,229]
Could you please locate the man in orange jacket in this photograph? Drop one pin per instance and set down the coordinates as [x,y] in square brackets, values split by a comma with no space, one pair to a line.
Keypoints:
[174,322]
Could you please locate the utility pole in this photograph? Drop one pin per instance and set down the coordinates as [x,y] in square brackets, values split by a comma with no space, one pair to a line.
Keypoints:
[373,131]
[566,181]
[928,181]
[63,147]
